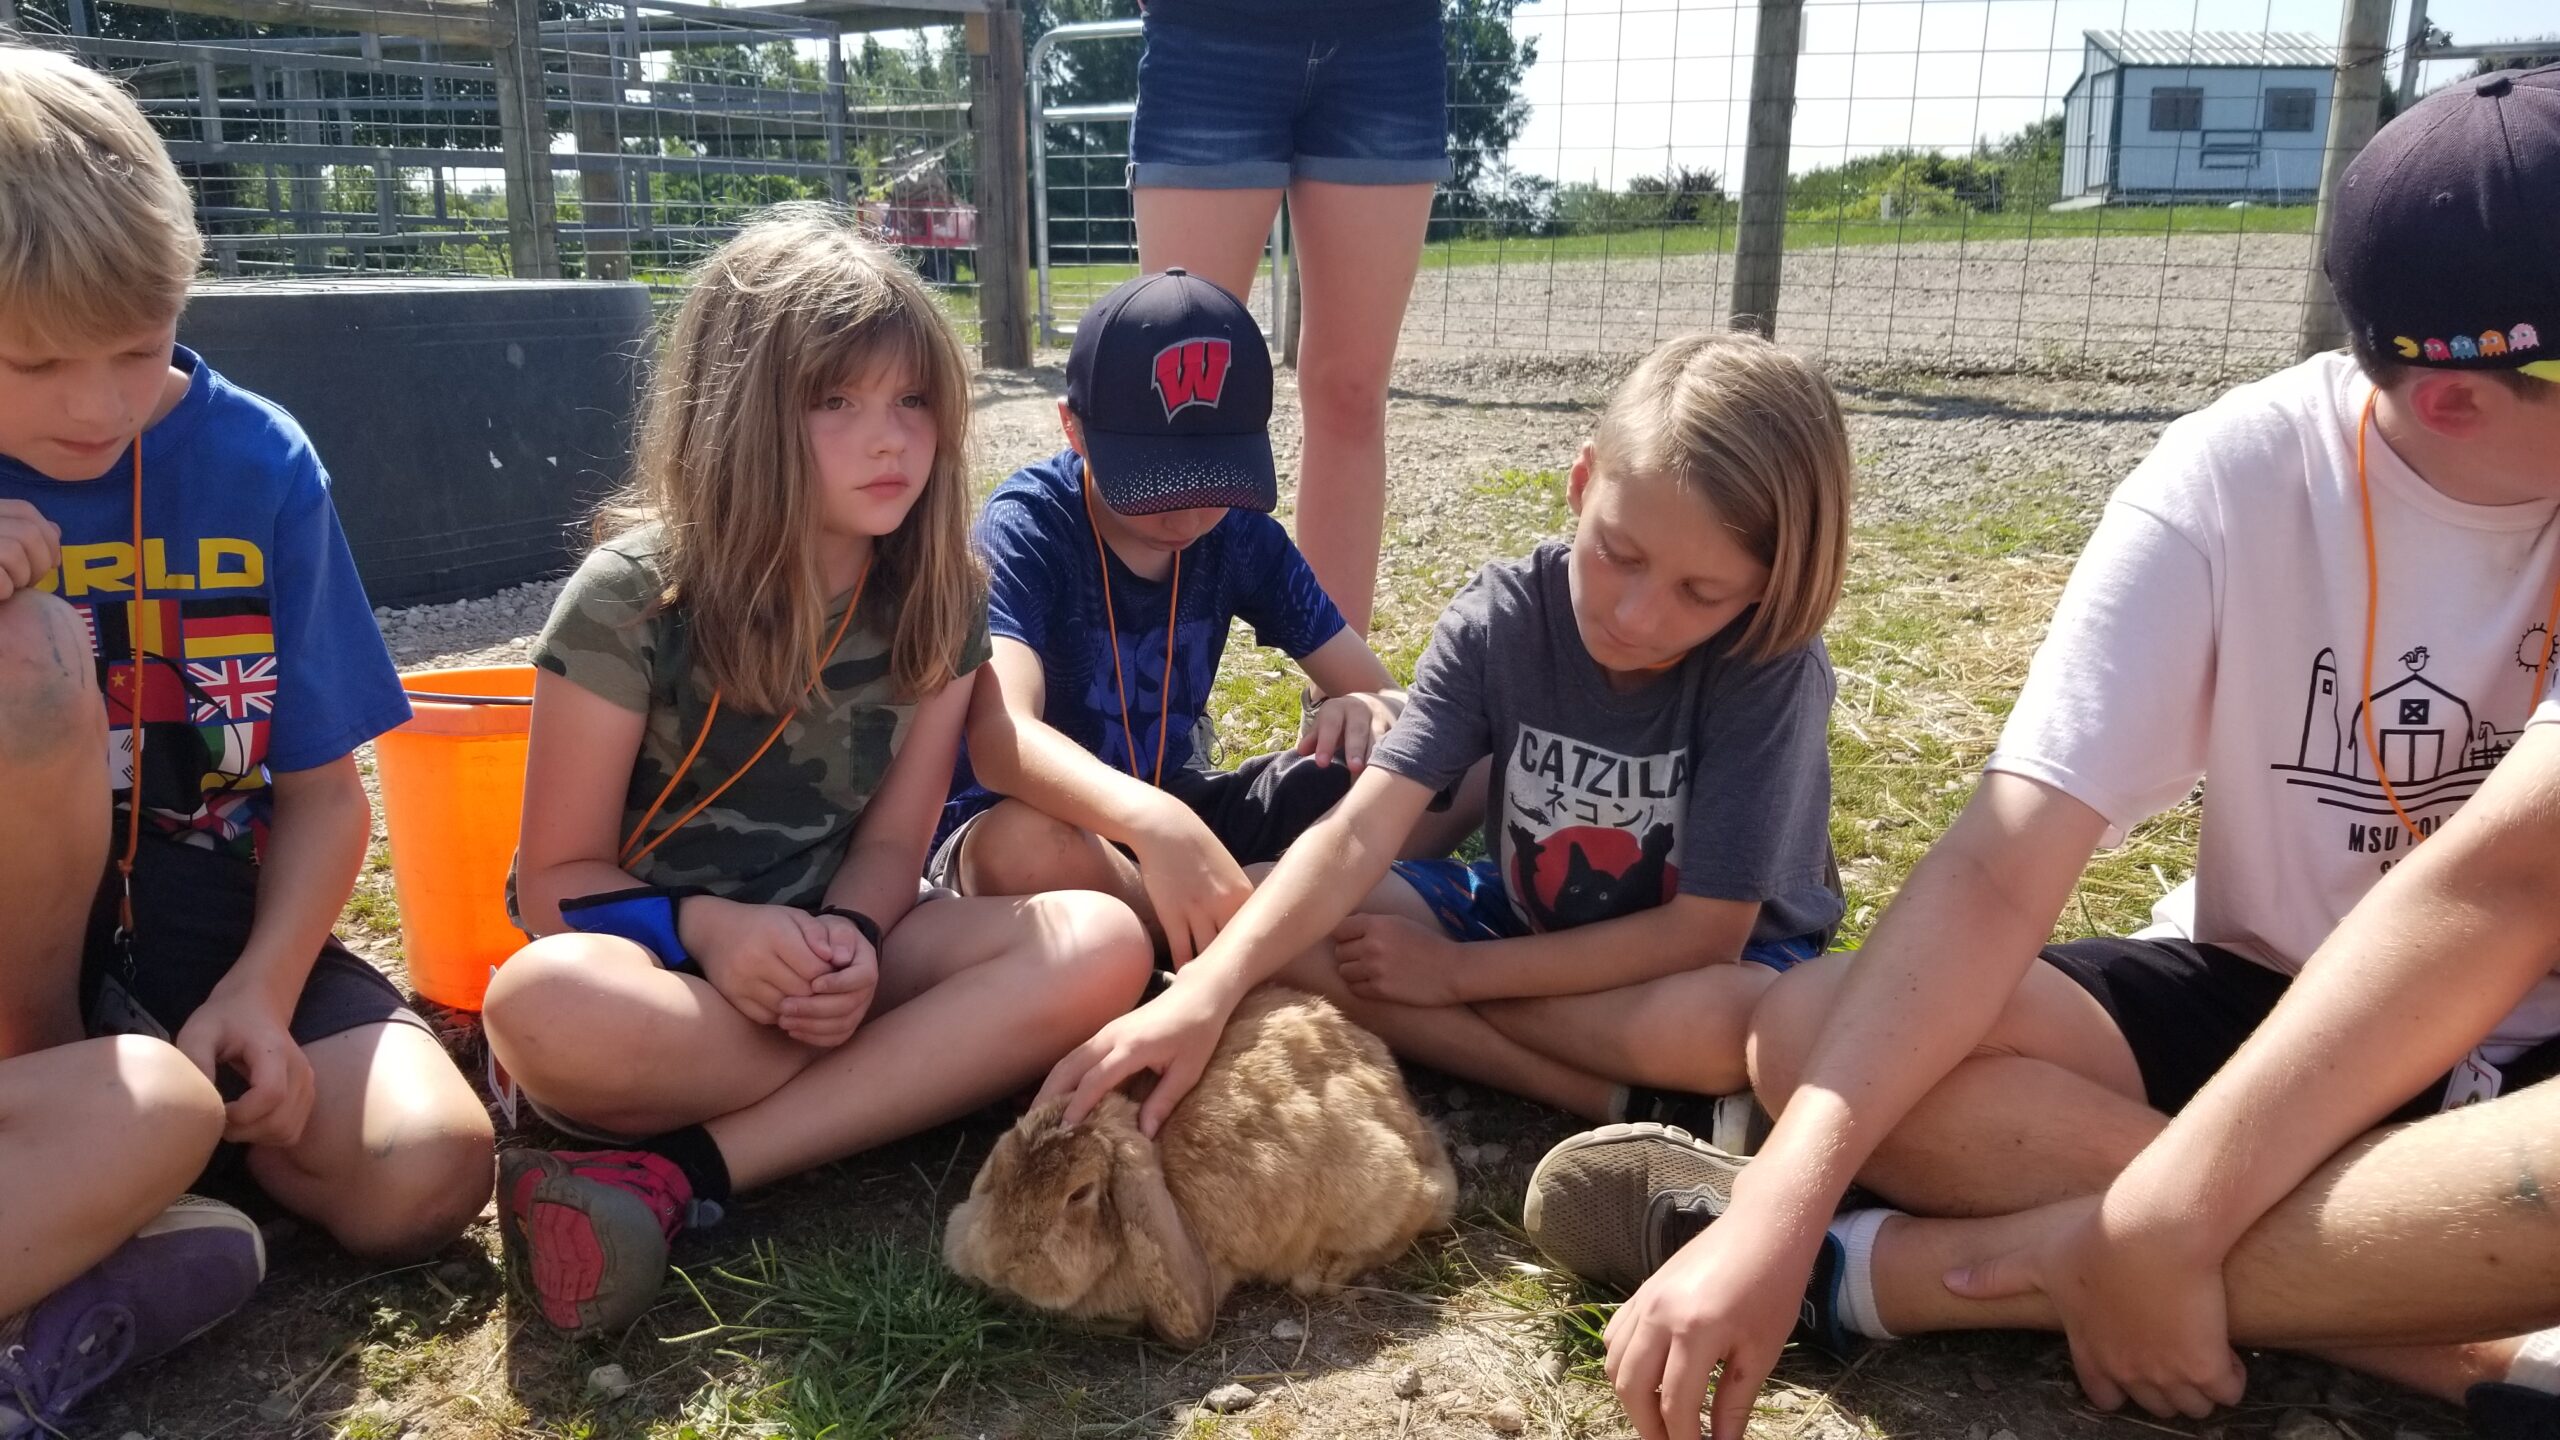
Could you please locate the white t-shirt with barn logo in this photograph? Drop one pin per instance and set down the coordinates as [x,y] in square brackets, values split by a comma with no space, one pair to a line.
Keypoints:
[2214,629]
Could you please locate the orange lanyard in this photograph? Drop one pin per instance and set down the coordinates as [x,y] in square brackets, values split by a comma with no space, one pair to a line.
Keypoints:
[2372,614]
[133,712]
[817,668]
[1111,627]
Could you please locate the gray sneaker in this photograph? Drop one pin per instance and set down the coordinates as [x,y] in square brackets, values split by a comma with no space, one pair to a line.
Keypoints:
[1612,1204]
[194,1264]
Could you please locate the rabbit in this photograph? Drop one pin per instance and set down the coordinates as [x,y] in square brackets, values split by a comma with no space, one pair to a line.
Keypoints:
[1298,1159]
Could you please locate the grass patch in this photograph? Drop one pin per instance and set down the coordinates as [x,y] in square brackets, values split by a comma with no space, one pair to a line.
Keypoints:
[852,1341]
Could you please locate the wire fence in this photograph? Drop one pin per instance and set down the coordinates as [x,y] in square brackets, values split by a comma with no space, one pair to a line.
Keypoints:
[1961,182]
[377,138]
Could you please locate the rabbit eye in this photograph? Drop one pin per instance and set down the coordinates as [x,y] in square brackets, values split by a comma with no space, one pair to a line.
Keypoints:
[1082,1194]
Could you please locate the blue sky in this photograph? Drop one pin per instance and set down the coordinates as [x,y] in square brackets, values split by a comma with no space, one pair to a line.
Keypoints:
[1627,87]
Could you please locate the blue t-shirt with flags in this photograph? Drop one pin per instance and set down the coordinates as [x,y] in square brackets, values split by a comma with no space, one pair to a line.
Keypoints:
[1045,591]
[259,653]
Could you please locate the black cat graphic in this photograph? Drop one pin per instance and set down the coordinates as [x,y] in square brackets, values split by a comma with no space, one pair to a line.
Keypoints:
[1589,893]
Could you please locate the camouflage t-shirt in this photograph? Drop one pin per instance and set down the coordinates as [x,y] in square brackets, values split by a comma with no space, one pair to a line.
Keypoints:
[778,834]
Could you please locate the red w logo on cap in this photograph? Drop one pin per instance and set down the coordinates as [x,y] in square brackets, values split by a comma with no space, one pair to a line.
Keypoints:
[1191,372]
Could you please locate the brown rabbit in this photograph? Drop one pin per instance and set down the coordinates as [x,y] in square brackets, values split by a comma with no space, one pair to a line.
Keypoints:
[1297,1159]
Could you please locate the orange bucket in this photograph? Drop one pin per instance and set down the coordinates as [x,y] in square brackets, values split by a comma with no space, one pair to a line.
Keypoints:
[452,796]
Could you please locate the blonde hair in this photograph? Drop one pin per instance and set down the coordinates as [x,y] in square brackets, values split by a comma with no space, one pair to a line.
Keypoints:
[97,232]
[1757,434]
[797,304]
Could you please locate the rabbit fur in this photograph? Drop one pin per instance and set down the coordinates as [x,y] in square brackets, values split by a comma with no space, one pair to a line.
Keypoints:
[1298,1159]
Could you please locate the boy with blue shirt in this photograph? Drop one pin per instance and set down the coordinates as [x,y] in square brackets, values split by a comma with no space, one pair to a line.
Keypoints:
[1117,567]
[189,665]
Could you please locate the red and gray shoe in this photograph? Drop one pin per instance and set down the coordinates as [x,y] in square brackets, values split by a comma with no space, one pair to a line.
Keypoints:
[587,1231]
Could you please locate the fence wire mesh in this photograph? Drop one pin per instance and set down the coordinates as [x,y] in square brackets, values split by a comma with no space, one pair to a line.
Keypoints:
[361,139]
[1969,181]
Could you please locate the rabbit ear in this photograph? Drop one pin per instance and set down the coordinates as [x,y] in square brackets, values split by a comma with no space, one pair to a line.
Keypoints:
[1172,1274]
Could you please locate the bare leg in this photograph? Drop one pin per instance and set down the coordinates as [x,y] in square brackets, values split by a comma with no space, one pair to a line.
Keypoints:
[1453,1038]
[1358,246]
[96,1137]
[1217,235]
[1682,1032]
[2437,1235]
[395,1161]
[2050,1107]
[53,760]
[1017,849]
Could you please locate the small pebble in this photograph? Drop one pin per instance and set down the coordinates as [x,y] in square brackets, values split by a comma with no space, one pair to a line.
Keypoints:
[1458,1097]
[2004,1435]
[1407,1383]
[1493,1152]
[1505,1417]
[1983,1382]
[1467,1154]
[276,1409]
[1549,1369]
[454,1273]
[609,1381]
[1289,1329]
[135,1435]
[1977,1431]
[1228,1399]
[2303,1425]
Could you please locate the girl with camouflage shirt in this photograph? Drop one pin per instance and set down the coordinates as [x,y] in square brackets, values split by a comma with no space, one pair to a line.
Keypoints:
[749,703]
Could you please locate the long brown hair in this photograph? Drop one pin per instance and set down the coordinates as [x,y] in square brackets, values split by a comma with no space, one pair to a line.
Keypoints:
[795,305]
[1756,433]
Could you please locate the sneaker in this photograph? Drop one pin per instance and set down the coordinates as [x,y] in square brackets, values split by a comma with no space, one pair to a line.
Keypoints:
[1697,1114]
[587,1231]
[1741,1126]
[194,1264]
[1613,1204]
[2501,1411]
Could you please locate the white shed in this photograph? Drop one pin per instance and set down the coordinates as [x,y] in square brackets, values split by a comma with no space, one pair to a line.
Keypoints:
[2197,115]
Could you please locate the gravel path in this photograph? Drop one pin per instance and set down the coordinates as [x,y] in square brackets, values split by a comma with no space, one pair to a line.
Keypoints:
[1926,447]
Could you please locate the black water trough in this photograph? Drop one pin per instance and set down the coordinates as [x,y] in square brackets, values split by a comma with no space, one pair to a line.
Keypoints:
[469,425]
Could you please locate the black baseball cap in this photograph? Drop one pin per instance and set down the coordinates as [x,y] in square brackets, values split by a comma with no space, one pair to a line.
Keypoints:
[1170,381]
[2444,247]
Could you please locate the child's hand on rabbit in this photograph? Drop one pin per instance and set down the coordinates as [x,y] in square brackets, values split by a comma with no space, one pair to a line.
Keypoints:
[1172,1035]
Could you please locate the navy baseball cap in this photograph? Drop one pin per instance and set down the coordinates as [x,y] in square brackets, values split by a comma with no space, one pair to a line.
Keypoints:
[2444,248]
[1170,382]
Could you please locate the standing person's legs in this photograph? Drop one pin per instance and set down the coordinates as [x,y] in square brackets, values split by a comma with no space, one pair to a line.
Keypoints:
[53,760]
[1217,235]
[1358,246]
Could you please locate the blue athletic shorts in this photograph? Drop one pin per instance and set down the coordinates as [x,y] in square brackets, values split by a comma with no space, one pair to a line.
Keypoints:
[1221,110]
[1471,904]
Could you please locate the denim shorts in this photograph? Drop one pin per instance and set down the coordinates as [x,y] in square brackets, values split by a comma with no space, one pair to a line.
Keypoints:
[1220,110]
[1470,903]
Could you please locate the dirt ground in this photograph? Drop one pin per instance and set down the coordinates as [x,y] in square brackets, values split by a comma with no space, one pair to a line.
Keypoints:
[331,1349]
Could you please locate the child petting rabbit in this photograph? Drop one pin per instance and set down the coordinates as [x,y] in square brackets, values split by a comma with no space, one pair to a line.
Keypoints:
[1298,1159]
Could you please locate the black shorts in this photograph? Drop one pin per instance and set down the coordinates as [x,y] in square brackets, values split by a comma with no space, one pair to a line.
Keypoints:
[1256,810]
[192,913]
[2185,1008]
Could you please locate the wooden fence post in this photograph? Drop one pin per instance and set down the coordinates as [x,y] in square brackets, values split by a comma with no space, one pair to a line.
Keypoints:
[524,129]
[2355,112]
[1760,239]
[1004,186]
[592,92]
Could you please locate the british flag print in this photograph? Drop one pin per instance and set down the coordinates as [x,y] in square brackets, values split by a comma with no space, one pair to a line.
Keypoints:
[233,689]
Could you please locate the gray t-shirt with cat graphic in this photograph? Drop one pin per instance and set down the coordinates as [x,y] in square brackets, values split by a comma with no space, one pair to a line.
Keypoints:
[1712,780]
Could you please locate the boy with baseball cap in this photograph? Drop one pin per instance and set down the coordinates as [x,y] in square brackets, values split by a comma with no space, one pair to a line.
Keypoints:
[1117,566]
[2333,592]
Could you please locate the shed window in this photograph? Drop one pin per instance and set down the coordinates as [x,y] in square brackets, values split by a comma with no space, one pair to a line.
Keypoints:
[2288,110]
[2177,107]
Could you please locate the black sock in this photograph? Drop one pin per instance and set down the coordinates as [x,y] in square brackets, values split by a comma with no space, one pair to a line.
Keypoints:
[698,1156]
